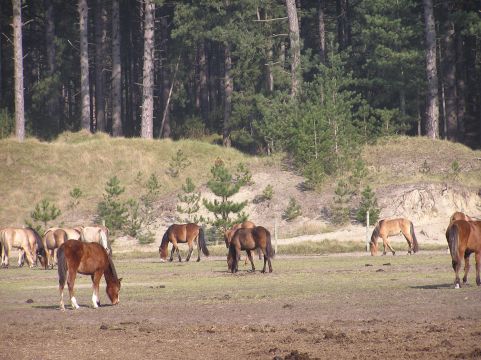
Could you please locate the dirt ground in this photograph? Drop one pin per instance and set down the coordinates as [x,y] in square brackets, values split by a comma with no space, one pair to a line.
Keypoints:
[411,311]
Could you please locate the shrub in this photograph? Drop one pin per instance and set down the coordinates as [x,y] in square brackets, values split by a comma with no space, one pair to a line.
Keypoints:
[368,203]
[292,211]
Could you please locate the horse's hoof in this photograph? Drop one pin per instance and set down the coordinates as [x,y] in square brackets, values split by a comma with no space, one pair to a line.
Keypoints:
[198,260]
[393,253]
[162,260]
[456,286]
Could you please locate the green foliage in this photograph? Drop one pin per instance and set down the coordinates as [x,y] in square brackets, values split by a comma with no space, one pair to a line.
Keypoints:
[455,170]
[224,185]
[292,211]
[340,208]
[267,194]
[189,202]
[7,124]
[44,212]
[178,163]
[358,174]
[368,203]
[75,195]
[111,209]
[425,168]
[141,213]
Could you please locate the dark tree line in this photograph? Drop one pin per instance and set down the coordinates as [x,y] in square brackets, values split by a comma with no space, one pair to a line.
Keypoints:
[187,68]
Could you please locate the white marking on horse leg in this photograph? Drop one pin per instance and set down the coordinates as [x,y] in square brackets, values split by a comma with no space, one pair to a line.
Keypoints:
[74,302]
[95,299]
[456,286]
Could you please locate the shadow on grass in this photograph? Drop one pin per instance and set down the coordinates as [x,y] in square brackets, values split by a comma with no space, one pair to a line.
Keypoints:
[433,286]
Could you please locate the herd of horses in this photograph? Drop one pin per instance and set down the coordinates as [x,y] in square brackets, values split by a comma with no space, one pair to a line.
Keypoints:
[86,250]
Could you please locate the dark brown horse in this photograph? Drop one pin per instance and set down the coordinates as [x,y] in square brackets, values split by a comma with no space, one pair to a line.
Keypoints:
[464,238]
[386,228]
[183,233]
[87,259]
[248,240]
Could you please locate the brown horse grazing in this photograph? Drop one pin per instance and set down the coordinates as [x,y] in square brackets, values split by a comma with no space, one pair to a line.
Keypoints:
[464,238]
[183,233]
[386,228]
[98,234]
[250,239]
[52,240]
[25,240]
[229,233]
[87,259]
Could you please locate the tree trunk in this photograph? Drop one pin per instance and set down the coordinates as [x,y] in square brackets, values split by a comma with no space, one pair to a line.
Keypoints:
[322,31]
[53,101]
[460,85]
[84,65]
[204,88]
[343,23]
[18,64]
[432,102]
[116,72]
[295,46]
[100,54]
[148,73]
[449,74]
[165,130]
[228,89]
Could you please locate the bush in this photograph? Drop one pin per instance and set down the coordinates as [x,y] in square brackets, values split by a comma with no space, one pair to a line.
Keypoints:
[111,209]
[368,203]
[292,211]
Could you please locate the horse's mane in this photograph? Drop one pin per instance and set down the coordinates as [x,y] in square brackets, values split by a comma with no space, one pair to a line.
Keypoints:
[112,268]
[38,238]
[375,232]
[164,243]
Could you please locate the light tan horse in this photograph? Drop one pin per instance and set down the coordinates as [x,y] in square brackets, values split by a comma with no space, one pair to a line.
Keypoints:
[23,239]
[386,228]
[97,234]
[52,240]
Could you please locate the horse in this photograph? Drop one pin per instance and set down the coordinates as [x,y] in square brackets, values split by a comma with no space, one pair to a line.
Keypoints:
[250,239]
[458,215]
[24,239]
[230,232]
[87,259]
[96,233]
[464,238]
[72,233]
[52,239]
[386,228]
[183,233]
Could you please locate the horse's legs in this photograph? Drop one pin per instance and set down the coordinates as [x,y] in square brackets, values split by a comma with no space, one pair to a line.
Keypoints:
[249,255]
[29,257]
[478,266]
[386,243]
[198,249]
[191,248]
[409,241]
[95,286]
[6,255]
[466,267]
[457,266]
[178,253]
[21,255]
[172,253]
[72,273]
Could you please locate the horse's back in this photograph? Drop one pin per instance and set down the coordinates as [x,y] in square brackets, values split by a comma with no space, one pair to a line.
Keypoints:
[88,256]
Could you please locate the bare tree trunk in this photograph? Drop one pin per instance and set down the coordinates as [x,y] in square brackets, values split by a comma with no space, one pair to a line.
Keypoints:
[449,73]
[147,125]
[84,65]
[432,101]
[204,88]
[53,102]
[116,72]
[165,130]
[460,85]
[322,31]
[343,23]
[100,54]
[295,46]
[228,89]
[18,64]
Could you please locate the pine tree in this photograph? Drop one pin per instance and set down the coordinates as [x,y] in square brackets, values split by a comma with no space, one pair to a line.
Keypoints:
[45,212]
[368,203]
[189,202]
[340,209]
[224,185]
[111,209]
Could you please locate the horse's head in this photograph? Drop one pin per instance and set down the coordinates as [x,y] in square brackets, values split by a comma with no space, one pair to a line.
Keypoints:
[373,248]
[113,289]
[227,236]
[42,257]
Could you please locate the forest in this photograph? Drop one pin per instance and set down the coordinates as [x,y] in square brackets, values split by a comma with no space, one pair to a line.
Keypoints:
[315,79]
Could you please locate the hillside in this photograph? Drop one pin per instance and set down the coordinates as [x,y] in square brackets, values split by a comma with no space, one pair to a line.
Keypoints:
[412,177]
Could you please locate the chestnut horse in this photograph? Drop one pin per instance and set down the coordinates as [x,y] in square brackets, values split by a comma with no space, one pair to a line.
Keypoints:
[464,238]
[52,239]
[386,228]
[86,259]
[248,240]
[183,233]
[229,233]
[23,239]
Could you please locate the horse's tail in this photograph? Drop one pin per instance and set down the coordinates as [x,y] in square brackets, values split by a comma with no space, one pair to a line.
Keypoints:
[202,242]
[453,239]
[269,249]
[415,240]
[233,257]
[61,266]
[164,245]
[105,242]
